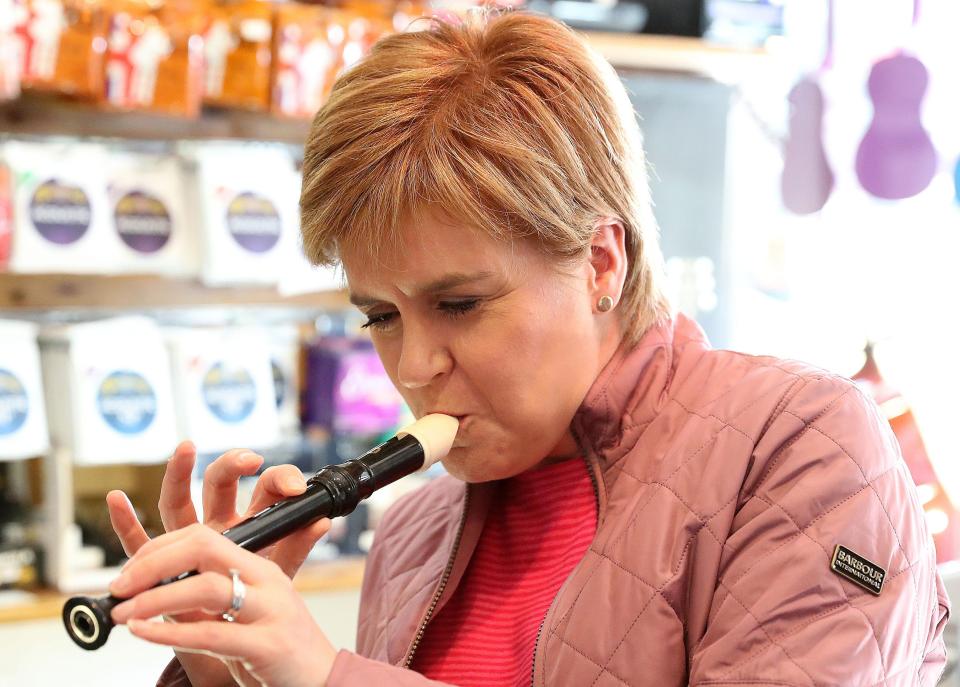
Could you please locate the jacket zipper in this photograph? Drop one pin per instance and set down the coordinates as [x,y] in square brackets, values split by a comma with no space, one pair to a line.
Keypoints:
[536,642]
[443,583]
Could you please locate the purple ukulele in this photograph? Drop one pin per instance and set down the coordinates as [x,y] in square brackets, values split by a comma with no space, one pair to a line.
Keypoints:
[807,180]
[896,158]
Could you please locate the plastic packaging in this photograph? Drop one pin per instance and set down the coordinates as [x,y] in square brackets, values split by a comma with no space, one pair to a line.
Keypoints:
[64,45]
[224,388]
[154,58]
[249,211]
[148,216]
[238,53]
[60,211]
[23,418]
[108,391]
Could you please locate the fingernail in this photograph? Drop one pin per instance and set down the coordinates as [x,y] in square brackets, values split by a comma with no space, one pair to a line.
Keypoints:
[135,625]
[122,613]
[120,585]
[293,484]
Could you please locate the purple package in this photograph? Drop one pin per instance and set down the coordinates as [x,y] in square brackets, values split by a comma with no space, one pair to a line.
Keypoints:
[365,400]
[347,390]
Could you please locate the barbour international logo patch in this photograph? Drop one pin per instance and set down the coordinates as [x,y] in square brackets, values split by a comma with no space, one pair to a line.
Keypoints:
[858,569]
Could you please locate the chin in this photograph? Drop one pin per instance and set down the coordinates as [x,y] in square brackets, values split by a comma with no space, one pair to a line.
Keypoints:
[466,465]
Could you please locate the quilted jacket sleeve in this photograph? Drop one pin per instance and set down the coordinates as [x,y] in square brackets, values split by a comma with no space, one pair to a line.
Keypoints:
[826,472]
[349,670]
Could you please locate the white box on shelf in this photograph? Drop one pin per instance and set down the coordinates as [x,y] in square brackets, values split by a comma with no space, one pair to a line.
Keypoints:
[108,391]
[148,215]
[60,214]
[248,202]
[223,385]
[23,418]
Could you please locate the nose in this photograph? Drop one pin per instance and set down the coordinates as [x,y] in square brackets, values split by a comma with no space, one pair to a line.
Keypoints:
[423,356]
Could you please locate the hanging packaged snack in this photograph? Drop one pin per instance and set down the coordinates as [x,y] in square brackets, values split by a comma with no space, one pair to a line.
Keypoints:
[224,388]
[407,12]
[13,39]
[363,24]
[60,209]
[248,205]
[154,57]
[63,46]
[108,391]
[238,51]
[148,215]
[307,53]
[23,418]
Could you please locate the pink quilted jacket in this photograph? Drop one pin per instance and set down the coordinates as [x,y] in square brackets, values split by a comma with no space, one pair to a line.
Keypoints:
[725,484]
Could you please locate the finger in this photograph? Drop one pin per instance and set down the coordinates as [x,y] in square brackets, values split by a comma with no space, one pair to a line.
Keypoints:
[165,540]
[220,483]
[208,592]
[231,640]
[278,482]
[194,548]
[124,521]
[290,553]
[176,506]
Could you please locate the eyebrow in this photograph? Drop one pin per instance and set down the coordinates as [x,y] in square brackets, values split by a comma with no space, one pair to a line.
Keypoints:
[444,283]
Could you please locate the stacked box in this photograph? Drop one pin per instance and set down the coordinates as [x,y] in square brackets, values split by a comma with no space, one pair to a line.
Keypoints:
[224,388]
[23,418]
[109,398]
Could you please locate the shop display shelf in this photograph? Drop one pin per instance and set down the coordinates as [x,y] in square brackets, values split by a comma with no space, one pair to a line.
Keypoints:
[691,56]
[41,114]
[43,292]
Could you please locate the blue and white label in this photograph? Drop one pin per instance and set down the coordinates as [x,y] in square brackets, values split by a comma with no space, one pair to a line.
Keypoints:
[14,404]
[229,392]
[127,402]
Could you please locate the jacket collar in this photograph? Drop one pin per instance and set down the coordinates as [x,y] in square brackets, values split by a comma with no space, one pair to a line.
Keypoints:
[632,387]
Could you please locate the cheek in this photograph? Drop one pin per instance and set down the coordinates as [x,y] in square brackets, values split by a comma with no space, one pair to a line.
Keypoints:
[531,367]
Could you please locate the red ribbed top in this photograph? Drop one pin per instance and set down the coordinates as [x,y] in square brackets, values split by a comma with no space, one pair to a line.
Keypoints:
[539,526]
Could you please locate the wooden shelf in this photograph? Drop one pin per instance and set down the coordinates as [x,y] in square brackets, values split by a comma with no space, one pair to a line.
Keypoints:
[693,56]
[38,292]
[312,578]
[38,114]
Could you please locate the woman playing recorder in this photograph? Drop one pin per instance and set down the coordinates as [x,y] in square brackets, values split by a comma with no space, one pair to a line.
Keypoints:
[624,505]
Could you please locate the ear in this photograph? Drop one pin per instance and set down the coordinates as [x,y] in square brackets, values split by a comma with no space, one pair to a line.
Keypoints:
[608,261]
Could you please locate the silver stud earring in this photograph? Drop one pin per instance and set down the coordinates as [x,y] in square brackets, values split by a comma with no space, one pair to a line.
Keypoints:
[605,304]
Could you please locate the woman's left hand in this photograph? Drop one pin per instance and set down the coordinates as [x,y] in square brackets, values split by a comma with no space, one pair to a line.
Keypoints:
[274,641]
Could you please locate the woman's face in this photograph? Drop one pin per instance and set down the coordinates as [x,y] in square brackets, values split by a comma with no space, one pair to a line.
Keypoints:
[493,333]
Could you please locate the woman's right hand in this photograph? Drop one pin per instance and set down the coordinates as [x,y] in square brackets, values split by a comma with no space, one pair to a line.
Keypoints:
[219,512]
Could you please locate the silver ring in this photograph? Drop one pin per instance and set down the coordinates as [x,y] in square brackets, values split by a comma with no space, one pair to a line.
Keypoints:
[239,594]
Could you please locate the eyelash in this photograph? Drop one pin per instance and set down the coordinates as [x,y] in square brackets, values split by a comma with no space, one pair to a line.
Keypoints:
[452,310]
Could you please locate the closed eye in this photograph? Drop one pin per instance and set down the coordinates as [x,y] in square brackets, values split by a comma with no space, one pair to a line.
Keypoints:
[452,309]
[378,321]
[457,308]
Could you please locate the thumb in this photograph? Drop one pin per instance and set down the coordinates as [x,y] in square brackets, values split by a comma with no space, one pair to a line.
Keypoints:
[290,553]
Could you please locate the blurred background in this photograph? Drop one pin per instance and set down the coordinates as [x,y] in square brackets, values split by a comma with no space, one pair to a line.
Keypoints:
[805,165]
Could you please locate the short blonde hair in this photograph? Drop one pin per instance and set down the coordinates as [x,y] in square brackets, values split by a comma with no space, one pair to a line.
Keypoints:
[506,121]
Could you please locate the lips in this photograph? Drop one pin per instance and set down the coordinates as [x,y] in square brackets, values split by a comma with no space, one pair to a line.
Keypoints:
[461,419]
[459,416]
